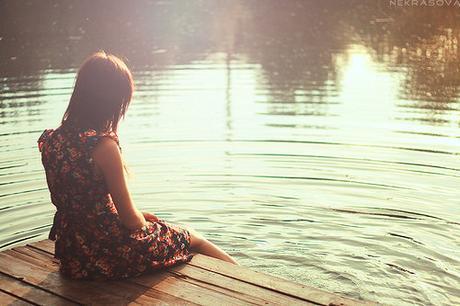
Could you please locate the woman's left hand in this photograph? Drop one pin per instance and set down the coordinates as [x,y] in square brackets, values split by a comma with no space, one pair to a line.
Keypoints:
[150,217]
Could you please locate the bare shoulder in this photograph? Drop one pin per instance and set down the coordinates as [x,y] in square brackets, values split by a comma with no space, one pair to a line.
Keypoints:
[106,151]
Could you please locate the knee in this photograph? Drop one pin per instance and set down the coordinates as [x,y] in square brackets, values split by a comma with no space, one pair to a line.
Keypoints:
[196,239]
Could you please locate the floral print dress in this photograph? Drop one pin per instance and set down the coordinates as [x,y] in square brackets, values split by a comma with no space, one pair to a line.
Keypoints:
[90,240]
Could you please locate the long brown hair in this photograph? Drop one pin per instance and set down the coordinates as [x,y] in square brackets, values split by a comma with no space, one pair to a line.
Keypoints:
[102,93]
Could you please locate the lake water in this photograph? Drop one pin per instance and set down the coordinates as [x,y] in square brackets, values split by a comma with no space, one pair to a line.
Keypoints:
[318,142]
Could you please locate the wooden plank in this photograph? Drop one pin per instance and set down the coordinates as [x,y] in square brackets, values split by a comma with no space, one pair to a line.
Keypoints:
[254,293]
[163,282]
[8,299]
[45,245]
[30,255]
[193,292]
[281,285]
[87,292]
[30,293]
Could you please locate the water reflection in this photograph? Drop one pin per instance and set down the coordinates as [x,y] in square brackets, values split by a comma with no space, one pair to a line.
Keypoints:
[331,128]
[428,53]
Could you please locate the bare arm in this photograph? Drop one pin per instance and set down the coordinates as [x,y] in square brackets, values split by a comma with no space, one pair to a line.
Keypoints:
[108,159]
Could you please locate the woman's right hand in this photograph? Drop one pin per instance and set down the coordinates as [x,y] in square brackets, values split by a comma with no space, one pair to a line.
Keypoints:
[150,217]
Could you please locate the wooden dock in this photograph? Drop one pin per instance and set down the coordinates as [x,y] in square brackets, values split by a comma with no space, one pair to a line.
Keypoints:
[29,276]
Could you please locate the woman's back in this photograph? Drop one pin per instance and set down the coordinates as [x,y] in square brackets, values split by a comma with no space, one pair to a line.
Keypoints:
[91,242]
[71,173]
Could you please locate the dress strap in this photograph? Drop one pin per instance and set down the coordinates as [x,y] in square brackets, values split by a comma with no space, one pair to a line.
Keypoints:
[91,138]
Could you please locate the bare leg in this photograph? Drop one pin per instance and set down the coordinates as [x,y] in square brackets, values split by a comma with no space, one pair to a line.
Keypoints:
[206,247]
